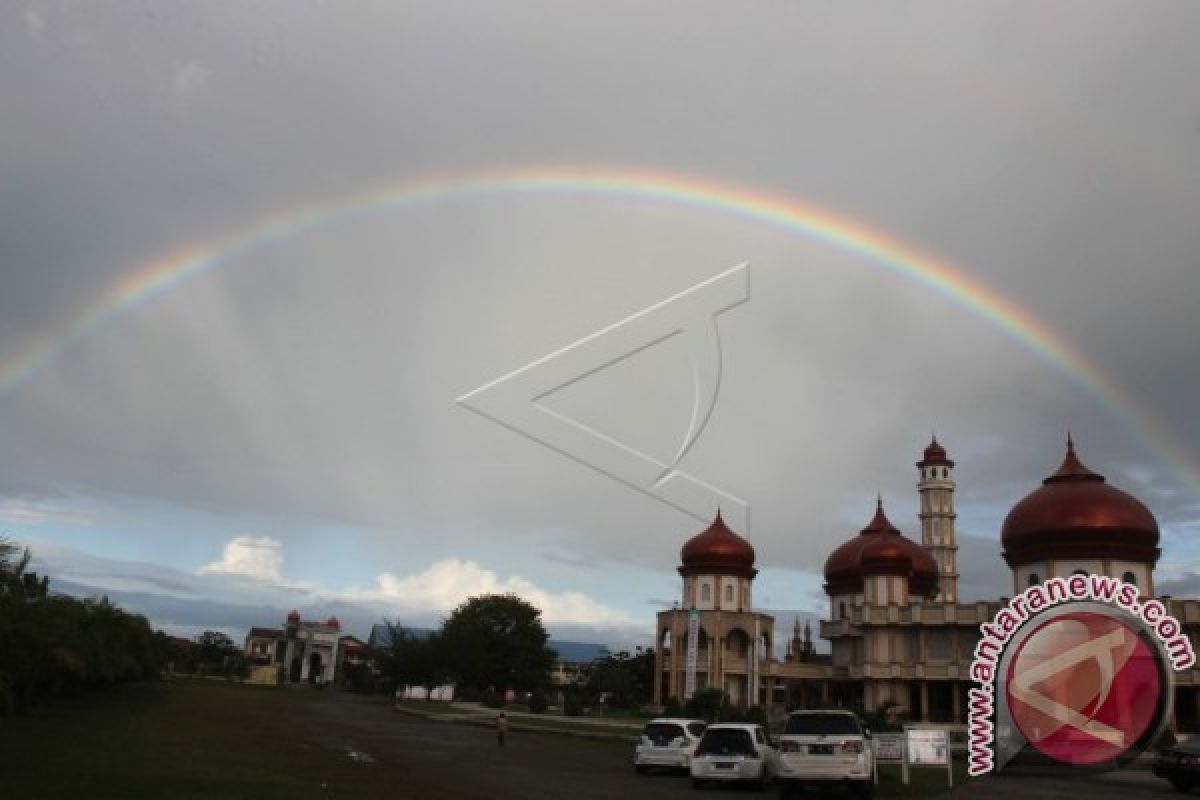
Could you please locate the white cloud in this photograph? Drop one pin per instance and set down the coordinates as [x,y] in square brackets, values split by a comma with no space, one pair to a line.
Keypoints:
[259,558]
[20,511]
[449,582]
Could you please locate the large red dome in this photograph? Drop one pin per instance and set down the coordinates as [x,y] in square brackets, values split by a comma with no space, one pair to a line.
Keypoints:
[1075,514]
[718,550]
[880,549]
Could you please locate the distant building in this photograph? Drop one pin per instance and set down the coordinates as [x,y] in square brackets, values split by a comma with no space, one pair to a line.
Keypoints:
[260,643]
[352,651]
[307,650]
[899,633]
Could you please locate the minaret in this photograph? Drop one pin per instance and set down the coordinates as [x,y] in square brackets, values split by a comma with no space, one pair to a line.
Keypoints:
[936,487]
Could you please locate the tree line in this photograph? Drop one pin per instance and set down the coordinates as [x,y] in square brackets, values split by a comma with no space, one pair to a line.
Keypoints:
[491,644]
[53,645]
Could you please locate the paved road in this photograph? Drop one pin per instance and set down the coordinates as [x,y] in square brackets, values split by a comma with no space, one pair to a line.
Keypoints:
[1018,784]
[465,757]
[466,761]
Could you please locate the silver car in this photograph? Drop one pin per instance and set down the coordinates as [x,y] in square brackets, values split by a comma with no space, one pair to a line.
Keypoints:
[667,742]
[825,748]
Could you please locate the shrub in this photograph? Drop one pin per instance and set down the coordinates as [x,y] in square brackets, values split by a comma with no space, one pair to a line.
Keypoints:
[673,708]
[756,715]
[492,699]
[573,705]
[538,702]
[705,704]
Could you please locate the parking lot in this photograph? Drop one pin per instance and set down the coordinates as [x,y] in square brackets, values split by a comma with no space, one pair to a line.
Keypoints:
[467,762]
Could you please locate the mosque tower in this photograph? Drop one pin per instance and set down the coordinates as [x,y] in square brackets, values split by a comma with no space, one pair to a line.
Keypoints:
[936,488]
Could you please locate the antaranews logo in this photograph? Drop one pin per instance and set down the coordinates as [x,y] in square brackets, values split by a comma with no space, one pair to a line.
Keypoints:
[1078,668]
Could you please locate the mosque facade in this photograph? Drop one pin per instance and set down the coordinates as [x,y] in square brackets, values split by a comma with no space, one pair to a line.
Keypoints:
[899,635]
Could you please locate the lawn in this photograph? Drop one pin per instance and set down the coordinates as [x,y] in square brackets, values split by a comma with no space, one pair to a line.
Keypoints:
[181,740]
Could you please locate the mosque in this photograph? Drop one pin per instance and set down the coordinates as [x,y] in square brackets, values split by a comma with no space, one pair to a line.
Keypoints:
[899,634]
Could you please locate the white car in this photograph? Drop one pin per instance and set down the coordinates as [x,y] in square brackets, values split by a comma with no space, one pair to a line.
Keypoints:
[732,751]
[823,749]
[668,743]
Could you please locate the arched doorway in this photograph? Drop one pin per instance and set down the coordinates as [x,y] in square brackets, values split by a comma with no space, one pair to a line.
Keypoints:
[314,668]
[294,671]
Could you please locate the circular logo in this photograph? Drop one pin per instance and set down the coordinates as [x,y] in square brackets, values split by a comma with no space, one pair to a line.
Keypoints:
[1084,688]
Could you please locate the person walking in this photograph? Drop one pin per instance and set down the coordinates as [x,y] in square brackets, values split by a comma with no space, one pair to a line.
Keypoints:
[501,728]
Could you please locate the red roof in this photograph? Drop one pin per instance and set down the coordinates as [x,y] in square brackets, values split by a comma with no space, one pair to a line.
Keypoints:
[935,455]
[880,549]
[1075,514]
[717,550]
[265,633]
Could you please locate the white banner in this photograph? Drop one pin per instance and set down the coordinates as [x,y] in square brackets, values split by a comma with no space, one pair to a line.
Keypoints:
[693,644]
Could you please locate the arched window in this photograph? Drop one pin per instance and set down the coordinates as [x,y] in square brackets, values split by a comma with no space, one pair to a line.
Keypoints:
[705,593]
[1034,580]
[729,593]
[1130,578]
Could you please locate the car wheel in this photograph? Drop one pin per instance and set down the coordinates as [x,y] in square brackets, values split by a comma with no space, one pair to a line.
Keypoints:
[697,783]
[865,791]
[1181,785]
[764,779]
[641,769]
[787,791]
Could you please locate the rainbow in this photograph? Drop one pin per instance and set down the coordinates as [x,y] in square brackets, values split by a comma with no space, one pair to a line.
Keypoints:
[150,280]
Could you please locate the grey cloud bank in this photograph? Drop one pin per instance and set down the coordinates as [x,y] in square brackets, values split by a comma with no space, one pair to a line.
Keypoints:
[1048,151]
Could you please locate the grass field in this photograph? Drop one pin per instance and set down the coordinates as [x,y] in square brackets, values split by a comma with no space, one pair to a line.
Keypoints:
[182,740]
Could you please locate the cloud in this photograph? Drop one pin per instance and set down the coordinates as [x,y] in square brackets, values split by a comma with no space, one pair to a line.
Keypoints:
[32,512]
[187,80]
[258,558]
[449,582]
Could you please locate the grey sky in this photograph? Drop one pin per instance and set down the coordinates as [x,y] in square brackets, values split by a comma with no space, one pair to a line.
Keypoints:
[304,391]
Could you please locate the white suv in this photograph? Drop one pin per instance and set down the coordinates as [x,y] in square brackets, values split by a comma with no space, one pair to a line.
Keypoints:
[825,748]
[667,742]
[734,752]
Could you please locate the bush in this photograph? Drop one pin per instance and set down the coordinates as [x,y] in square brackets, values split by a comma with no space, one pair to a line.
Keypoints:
[573,705]
[467,694]
[756,715]
[705,704]
[538,702]
[492,699]
[673,708]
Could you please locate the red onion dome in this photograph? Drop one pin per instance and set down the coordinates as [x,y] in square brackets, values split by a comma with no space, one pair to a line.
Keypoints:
[1075,514]
[293,616]
[717,550]
[935,455]
[332,622]
[880,549]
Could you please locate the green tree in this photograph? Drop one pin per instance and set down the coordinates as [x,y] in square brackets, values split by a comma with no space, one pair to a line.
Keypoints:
[416,658]
[705,704]
[497,641]
[624,680]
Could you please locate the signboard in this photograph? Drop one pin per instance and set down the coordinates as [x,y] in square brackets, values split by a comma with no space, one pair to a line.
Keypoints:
[693,644]
[928,747]
[889,747]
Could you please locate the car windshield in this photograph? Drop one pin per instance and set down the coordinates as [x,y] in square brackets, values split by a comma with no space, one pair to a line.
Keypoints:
[696,728]
[810,724]
[725,741]
[662,733]
[1190,746]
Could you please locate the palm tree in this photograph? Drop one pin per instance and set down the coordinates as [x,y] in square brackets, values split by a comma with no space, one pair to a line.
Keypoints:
[14,560]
